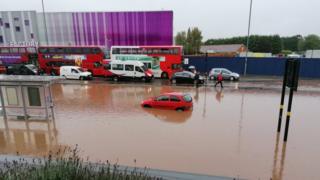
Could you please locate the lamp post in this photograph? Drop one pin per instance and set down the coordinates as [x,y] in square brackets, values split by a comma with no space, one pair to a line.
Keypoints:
[249,25]
[45,23]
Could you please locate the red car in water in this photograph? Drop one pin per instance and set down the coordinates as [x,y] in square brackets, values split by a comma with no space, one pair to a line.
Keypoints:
[175,101]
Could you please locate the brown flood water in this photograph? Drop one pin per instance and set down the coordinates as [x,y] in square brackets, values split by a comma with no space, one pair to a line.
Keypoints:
[230,133]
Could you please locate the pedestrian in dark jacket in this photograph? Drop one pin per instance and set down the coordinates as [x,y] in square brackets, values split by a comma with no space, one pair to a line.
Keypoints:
[219,80]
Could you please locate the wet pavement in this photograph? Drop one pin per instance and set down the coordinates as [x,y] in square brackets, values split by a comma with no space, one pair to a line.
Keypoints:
[228,133]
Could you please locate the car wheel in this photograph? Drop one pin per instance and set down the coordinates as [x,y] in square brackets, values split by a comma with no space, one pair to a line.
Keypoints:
[81,78]
[174,81]
[211,78]
[180,109]
[231,78]
[143,79]
[146,106]
[164,75]
[115,79]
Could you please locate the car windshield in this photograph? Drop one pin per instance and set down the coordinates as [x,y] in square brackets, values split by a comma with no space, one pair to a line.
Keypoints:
[187,98]
[80,70]
[144,68]
[31,66]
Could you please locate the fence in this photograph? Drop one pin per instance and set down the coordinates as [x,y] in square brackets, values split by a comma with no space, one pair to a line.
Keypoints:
[310,68]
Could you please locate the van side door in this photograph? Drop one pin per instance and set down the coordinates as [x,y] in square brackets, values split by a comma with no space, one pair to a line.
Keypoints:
[129,70]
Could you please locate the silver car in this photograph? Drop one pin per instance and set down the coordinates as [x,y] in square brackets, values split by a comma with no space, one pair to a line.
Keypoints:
[226,74]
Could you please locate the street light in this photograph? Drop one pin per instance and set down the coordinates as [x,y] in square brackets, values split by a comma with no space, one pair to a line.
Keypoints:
[249,25]
[45,23]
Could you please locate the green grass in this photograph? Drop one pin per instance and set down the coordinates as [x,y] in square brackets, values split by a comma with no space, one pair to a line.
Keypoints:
[67,164]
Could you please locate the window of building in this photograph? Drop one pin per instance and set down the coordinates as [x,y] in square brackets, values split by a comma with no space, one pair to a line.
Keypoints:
[1,39]
[7,25]
[16,19]
[1,22]
[12,96]
[34,96]
[32,36]
[18,28]
[26,22]
[117,66]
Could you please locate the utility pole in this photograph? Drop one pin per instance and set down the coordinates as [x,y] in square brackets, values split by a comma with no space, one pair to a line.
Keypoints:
[249,25]
[45,23]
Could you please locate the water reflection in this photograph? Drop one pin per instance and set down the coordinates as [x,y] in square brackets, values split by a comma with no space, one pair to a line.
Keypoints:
[28,137]
[277,172]
[219,94]
[169,115]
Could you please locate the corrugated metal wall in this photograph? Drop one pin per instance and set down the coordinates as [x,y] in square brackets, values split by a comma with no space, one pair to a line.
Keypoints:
[310,68]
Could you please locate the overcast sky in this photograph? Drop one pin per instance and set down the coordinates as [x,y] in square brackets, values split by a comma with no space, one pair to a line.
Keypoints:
[216,18]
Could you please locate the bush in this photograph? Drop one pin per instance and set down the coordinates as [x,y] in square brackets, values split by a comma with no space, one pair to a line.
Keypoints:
[66,164]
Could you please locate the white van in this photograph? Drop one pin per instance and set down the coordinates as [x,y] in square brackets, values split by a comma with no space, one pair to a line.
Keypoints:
[74,72]
[129,70]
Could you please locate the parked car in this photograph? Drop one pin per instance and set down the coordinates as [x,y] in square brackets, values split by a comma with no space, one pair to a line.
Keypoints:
[226,74]
[128,70]
[186,77]
[22,69]
[74,72]
[174,101]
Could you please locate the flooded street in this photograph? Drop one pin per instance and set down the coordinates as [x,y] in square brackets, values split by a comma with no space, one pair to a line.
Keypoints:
[228,133]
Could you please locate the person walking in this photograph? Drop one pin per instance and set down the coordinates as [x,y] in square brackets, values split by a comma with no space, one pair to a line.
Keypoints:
[219,80]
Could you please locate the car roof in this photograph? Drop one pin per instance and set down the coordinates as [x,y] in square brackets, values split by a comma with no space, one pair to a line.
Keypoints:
[184,72]
[174,94]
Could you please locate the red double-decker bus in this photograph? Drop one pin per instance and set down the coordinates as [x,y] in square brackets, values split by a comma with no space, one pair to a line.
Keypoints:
[12,55]
[163,60]
[51,58]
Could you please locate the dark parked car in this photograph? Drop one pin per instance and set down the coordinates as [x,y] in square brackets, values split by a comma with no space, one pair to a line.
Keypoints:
[22,69]
[186,77]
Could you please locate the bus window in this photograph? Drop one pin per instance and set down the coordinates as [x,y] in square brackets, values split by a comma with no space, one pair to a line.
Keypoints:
[22,50]
[14,50]
[149,51]
[68,50]
[4,50]
[31,50]
[43,50]
[60,50]
[156,51]
[86,50]
[107,67]
[115,51]
[175,51]
[76,51]
[139,51]
[96,50]
[52,50]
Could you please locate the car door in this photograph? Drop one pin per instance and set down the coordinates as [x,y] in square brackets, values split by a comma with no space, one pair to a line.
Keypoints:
[226,74]
[162,102]
[74,73]
[175,102]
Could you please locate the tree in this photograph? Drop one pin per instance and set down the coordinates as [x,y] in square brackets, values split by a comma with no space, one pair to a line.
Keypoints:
[311,42]
[181,38]
[190,40]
